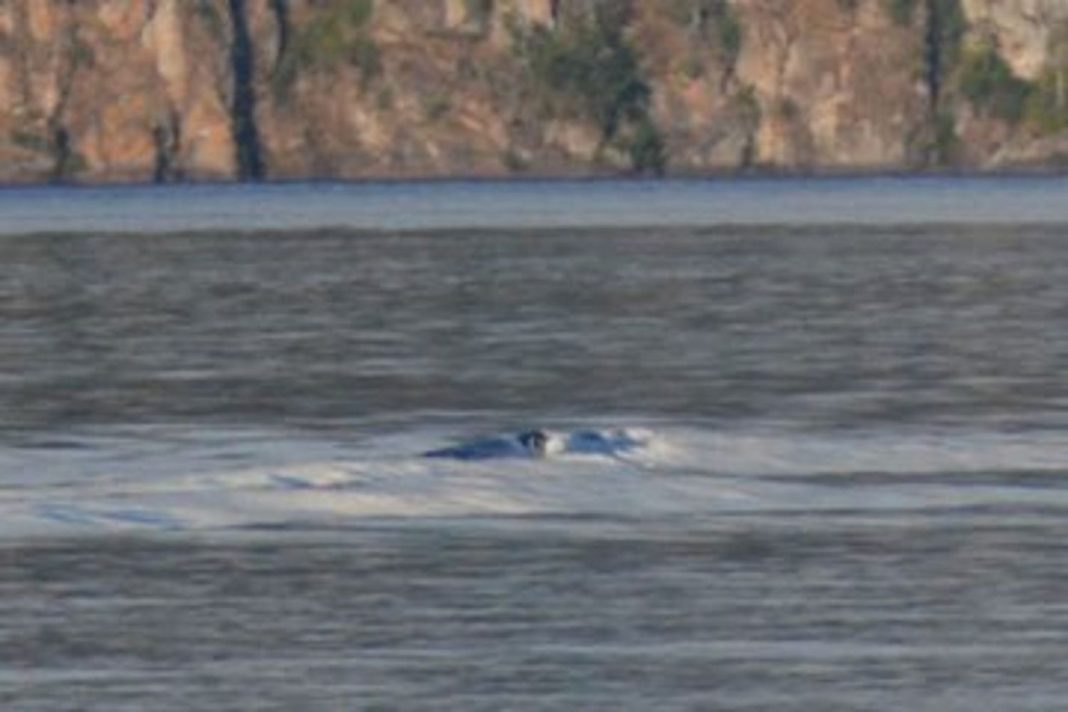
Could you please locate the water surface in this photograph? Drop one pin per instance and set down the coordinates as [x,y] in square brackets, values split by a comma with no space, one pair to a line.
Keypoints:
[852,492]
[440,205]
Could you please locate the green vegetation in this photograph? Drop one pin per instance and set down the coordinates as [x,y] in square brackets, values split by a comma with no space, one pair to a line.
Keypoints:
[513,161]
[1047,104]
[693,68]
[945,144]
[209,15]
[79,52]
[943,34]
[436,106]
[684,12]
[748,104]
[334,37]
[72,164]
[714,19]
[944,30]
[989,84]
[595,72]
[788,109]
[68,162]
[385,99]
[589,70]
[29,141]
[364,53]
[646,149]
[478,11]
[901,11]
[356,13]
[933,143]
[728,32]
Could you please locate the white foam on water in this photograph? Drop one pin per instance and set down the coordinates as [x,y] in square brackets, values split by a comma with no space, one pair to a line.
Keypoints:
[677,471]
[770,453]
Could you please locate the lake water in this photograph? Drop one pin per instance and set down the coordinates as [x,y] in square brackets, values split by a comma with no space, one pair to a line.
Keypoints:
[850,492]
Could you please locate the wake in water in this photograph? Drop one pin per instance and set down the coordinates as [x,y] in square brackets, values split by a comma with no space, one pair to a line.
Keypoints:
[616,475]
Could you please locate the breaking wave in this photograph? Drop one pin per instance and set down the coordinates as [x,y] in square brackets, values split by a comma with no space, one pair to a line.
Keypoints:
[677,472]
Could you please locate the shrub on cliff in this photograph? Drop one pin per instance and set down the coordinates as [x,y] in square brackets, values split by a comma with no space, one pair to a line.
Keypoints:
[1047,107]
[589,70]
[945,147]
[988,82]
[993,89]
[333,37]
[646,149]
[901,11]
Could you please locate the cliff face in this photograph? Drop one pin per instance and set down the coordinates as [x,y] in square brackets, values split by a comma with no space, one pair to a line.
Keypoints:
[141,90]
[115,90]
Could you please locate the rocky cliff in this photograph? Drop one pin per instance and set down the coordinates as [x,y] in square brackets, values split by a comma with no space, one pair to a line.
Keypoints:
[161,90]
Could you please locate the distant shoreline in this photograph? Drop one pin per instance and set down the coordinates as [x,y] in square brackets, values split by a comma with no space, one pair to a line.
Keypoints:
[761,175]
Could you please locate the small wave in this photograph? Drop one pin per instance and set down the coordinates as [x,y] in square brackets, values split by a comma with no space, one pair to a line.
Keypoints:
[674,472]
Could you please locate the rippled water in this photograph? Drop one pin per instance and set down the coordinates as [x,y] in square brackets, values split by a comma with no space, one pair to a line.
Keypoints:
[851,492]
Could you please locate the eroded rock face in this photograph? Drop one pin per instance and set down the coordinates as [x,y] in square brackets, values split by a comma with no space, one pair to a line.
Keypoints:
[124,90]
[140,90]
[824,72]
[1022,29]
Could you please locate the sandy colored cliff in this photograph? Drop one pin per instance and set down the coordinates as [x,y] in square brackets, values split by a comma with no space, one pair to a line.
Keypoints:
[163,90]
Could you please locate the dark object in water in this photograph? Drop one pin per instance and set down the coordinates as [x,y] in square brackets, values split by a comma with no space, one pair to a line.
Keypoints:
[529,443]
[540,443]
[535,441]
